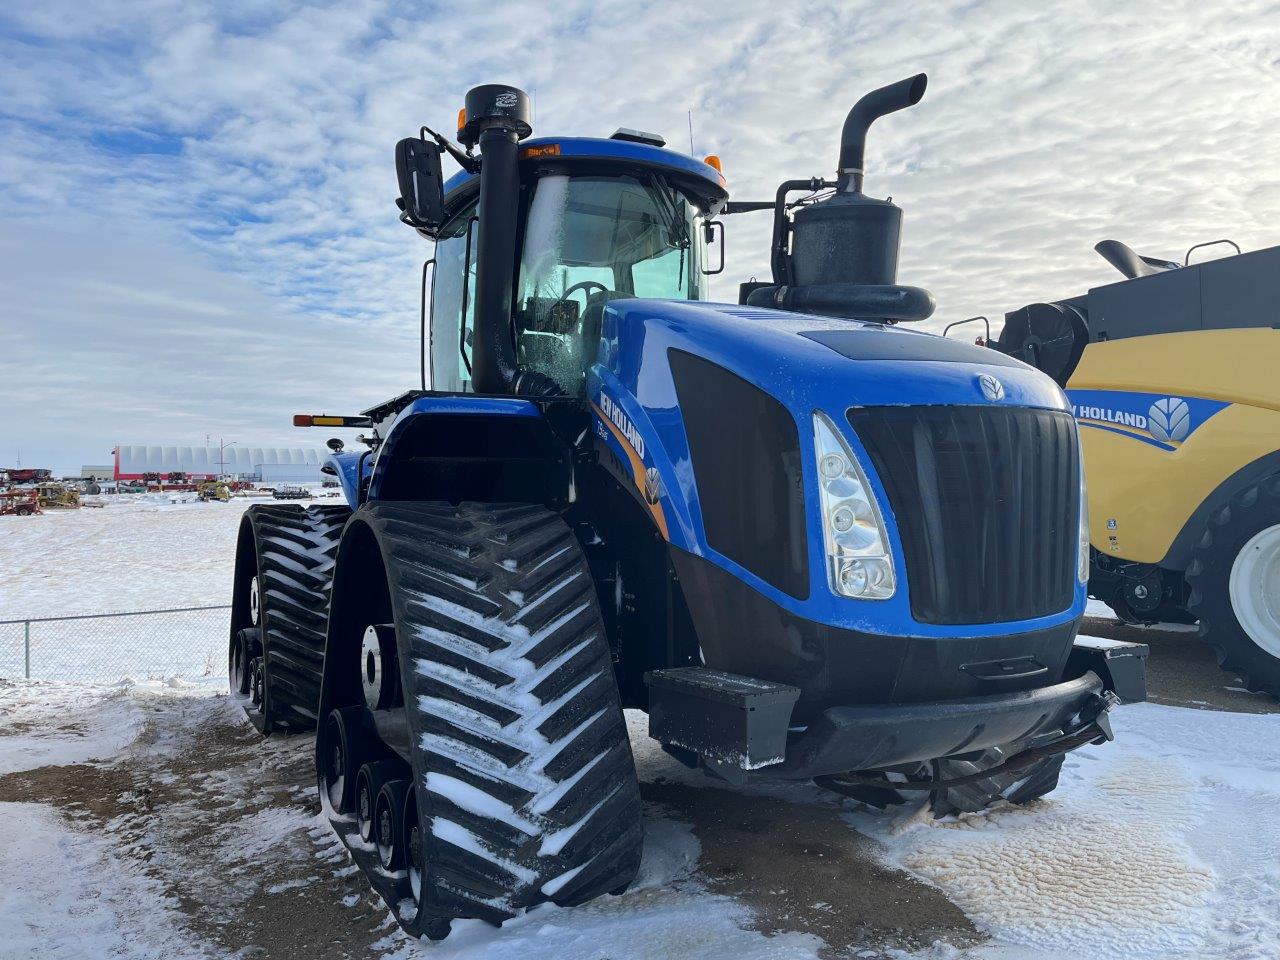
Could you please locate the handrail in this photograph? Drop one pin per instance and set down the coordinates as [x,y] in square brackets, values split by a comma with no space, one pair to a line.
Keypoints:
[1186,261]
[958,323]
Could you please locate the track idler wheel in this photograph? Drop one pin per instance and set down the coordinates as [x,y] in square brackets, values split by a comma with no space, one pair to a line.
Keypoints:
[255,603]
[379,672]
[347,738]
[388,824]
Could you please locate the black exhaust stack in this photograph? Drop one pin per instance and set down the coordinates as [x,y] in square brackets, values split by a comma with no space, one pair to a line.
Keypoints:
[497,119]
[839,256]
[876,104]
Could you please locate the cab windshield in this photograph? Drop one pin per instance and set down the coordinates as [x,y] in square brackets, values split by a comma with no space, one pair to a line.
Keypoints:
[589,240]
[586,241]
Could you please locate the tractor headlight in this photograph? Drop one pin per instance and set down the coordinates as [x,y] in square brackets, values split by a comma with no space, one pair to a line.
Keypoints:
[859,563]
[1082,557]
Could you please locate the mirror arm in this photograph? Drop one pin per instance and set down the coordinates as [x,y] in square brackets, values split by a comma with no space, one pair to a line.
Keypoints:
[466,160]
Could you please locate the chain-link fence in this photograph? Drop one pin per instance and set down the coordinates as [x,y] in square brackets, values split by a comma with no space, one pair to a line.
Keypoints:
[187,642]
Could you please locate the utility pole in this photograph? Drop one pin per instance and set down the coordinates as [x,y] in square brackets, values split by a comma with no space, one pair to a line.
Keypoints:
[222,469]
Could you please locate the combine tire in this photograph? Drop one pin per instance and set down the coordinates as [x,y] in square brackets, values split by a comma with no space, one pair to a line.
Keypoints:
[523,787]
[1234,577]
[284,573]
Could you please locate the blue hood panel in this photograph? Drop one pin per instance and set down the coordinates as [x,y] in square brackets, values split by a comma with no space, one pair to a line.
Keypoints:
[860,364]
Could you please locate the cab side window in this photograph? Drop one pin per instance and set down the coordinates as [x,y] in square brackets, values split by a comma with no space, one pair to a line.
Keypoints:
[453,303]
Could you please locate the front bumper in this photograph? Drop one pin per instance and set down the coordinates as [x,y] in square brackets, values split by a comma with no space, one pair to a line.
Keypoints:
[736,725]
[875,737]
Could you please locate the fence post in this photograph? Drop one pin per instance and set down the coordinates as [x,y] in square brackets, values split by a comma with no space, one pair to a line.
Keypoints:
[26,647]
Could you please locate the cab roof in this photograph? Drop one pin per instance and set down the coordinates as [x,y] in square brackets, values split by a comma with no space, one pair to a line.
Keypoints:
[702,179]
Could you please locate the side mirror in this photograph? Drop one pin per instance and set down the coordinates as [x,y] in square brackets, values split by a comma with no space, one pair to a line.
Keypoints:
[421,183]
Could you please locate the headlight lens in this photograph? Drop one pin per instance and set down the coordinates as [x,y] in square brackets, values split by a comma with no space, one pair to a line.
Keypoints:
[859,563]
[1082,557]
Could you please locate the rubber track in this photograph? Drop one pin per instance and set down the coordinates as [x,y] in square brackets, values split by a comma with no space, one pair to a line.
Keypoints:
[1208,576]
[528,786]
[1017,788]
[296,550]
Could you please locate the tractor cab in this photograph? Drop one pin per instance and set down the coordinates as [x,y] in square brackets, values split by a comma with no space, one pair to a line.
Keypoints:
[596,220]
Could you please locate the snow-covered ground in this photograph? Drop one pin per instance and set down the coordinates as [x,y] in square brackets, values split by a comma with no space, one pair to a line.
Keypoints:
[145,819]
[137,552]
[1165,844]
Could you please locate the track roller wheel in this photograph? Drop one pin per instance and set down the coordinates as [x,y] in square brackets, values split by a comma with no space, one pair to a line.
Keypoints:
[411,830]
[369,783]
[345,740]
[255,682]
[388,824]
[243,647]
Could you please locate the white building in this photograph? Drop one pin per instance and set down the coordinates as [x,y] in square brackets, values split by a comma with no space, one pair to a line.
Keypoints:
[294,464]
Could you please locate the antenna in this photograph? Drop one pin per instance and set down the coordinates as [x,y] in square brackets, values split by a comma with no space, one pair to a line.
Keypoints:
[692,152]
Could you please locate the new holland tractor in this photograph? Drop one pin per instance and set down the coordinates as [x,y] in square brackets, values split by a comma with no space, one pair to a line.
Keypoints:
[811,543]
[1172,374]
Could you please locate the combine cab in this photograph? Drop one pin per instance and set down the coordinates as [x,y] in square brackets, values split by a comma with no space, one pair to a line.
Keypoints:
[1172,377]
[772,525]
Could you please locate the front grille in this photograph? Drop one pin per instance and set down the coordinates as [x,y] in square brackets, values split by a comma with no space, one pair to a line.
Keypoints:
[986,501]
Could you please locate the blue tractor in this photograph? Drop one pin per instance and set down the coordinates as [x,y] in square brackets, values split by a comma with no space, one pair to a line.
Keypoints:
[809,542]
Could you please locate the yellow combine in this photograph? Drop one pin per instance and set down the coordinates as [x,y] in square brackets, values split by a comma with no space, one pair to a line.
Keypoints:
[1175,373]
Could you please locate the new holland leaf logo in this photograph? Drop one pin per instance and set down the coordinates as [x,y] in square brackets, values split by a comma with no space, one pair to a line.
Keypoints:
[1169,419]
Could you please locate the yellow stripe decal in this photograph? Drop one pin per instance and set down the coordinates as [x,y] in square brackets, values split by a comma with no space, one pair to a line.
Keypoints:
[637,470]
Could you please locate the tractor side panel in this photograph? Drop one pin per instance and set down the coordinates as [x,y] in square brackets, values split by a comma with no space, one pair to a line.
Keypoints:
[1165,421]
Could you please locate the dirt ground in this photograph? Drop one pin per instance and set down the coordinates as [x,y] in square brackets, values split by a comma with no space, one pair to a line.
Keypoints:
[229,824]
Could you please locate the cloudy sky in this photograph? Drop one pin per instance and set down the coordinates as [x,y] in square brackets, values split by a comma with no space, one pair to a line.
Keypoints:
[197,230]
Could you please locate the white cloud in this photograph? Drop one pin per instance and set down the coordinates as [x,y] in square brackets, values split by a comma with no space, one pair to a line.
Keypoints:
[264,263]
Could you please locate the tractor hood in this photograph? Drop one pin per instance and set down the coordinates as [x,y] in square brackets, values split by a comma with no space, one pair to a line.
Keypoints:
[708,412]
[810,362]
